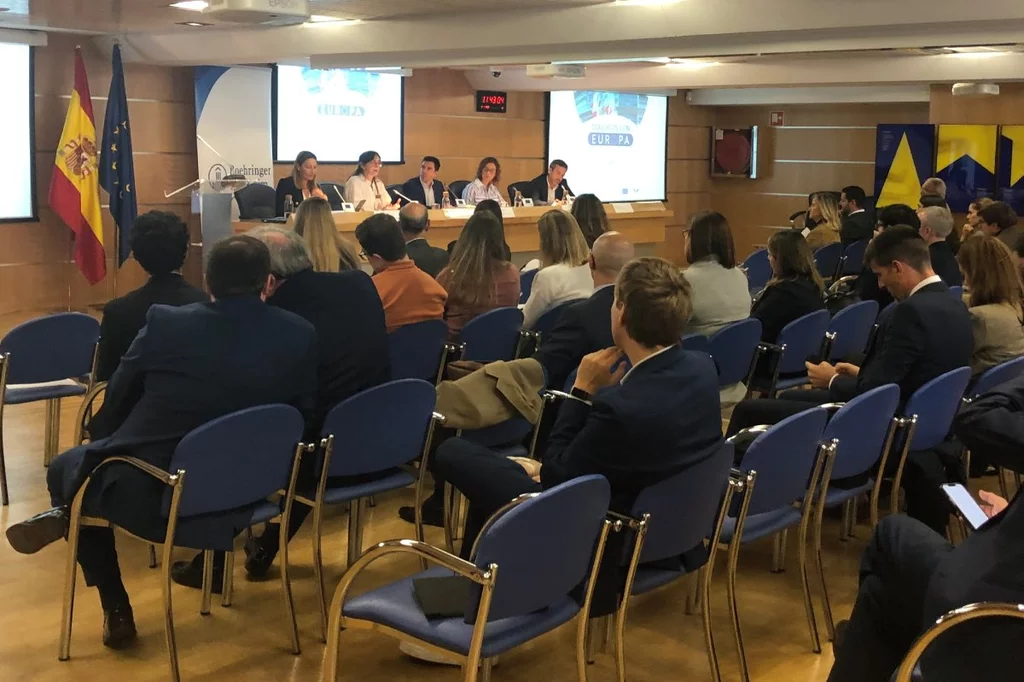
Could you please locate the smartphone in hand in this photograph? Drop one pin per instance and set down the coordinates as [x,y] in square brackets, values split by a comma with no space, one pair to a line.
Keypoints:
[966,505]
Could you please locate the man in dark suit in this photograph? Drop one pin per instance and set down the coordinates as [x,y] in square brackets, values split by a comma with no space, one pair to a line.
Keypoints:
[857,224]
[187,366]
[415,221]
[910,575]
[547,188]
[665,407]
[936,226]
[352,342]
[159,244]
[425,187]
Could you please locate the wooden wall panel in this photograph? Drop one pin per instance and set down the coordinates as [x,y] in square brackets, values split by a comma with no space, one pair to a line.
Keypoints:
[1005,109]
[826,144]
[688,178]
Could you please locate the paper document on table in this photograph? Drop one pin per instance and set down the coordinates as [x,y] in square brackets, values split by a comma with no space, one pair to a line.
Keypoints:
[508,212]
[393,214]
[623,208]
[458,213]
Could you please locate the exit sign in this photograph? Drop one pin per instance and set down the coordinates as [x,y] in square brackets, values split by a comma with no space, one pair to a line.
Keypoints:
[777,119]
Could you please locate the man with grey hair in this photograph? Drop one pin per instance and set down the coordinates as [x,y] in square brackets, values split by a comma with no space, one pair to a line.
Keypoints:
[934,186]
[352,344]
[936,226]
[415,221]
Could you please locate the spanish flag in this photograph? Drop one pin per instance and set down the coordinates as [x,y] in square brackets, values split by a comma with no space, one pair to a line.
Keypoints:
[75,187]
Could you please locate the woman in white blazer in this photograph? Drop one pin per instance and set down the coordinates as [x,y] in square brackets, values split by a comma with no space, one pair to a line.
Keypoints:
[564,273]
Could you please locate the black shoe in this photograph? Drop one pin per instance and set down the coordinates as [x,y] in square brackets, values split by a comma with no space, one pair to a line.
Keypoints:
[258,560]
[31,535]
[840,634]
[431,515]
[190,574]
[119,628]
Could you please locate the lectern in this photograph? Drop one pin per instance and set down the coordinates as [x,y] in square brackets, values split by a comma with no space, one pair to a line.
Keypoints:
[214,199]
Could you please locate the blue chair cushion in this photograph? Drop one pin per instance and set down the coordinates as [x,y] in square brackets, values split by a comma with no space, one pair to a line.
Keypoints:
[390,480]
[837,496]
[31,393]
[758,526]
[395,606]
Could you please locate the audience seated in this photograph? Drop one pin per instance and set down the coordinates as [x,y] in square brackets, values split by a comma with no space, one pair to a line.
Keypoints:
[187,366]
[994,299]
[494,208]
[857,223]
[1000,221]
[795,288]
[409,295]
[936,225]
[936,186]
[929,200]
[825,219]
[564,274]
[974,216]
[867,284]
[665,407]
[478,279]
[330,252]
[910,575]
[159,244]
[589,213]
[719,290]
[415,221]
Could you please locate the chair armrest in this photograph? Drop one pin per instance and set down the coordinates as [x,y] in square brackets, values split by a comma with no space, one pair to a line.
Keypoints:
[552,395]
[845,279]
[832,407]
[759,429]
[156,472]
[85,410]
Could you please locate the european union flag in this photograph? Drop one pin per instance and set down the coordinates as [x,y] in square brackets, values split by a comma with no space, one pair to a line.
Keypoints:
[117,172]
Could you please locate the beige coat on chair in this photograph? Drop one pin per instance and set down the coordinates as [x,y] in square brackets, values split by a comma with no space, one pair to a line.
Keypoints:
[492,394]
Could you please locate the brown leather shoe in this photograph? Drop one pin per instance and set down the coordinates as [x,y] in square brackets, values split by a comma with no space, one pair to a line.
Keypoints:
[32,534]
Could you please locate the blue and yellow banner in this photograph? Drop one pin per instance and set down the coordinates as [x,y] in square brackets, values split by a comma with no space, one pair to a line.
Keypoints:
[966,160]
[1010,173]
[904,158]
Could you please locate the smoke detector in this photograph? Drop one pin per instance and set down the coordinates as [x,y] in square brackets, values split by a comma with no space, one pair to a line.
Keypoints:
[975,89]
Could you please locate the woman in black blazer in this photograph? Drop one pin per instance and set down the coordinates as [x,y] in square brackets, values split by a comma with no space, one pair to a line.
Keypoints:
[795,289]
[301,184]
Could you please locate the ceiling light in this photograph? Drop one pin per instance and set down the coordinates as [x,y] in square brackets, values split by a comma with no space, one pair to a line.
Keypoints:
[976,55]
[623,60]
[191,5]
[324,20]
[691,64]
[648,3]
[193,24]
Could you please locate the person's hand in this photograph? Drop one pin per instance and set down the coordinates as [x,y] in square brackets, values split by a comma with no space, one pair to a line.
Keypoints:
[966,231]
[318,193]
[820,374]
[846,369]
[531,466]
[595,370]
[991,503]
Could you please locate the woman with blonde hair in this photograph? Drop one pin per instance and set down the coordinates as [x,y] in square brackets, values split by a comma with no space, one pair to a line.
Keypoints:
[995,300]
[564,273]
[331,252]
[824,211]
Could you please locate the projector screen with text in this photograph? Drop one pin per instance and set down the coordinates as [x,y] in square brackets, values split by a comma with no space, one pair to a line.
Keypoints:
[337,114]
[17,170]
[613,143]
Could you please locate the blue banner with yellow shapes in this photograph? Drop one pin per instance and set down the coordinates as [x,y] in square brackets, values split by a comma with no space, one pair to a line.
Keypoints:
[904,158]
[1010,172]
[966,160]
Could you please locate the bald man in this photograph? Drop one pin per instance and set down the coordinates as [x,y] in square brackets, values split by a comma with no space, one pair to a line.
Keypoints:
[415,222]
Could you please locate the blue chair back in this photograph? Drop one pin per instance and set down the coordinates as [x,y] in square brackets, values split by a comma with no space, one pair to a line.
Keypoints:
[683,508]
[493,335]
[998,375]
[733,347]
[236,460]
[852,327]
[257,201]
[549,319]
[416,350]
[861,427]
[697,342]
[759,270]
[853,257]
[51,348]
[783,457]
[935,405]
[456,188]
[380,428]
[957,292]
[543,547]
[802,338]
[526,283]
[827,258]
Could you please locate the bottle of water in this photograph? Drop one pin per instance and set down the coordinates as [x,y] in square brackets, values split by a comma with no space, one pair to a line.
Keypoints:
[445,201]
[518,201]
[289,205]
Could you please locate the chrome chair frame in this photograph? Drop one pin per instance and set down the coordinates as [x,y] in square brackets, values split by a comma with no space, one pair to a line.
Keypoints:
[473,667]
[948,621]
[355,522]
[5,358]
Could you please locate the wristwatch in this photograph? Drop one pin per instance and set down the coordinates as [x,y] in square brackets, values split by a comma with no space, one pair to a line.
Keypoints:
[580,394]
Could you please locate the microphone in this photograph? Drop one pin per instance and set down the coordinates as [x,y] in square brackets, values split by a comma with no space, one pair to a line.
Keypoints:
[338,191]
[411,201]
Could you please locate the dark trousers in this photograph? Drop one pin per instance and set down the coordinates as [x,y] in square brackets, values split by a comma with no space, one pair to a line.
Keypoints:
[887,616]
[486,479]
[758,411]
[127,497]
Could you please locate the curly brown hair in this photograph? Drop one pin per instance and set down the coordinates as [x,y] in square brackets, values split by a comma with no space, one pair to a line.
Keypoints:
[991,273]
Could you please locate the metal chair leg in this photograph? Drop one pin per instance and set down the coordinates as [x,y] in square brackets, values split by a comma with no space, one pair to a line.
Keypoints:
[70,576]
[844,523]
[812,623]
[52,437]
[693,597]
[826,604]
[854,504]
[165,585]
[485,670]
[286,583]
[4,496]
[594,630]
[734,554]
[355,513]
[152,555]
[779,552]
[228,584]
[318,571]
[204,608]
[704,581]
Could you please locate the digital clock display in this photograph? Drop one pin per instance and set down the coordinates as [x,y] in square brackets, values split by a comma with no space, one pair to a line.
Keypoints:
[491,101]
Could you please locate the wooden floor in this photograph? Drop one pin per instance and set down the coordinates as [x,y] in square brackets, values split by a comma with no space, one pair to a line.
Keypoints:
[249,642]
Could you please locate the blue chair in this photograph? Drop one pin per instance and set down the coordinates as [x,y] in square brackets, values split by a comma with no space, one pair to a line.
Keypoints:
[526,563]
[996,376]
[333,191]
[827,259]
[547,321]
[675,516]
[492,336]
[457,187]
[57,350]
[924,424]
[418,350]
[853,258]
[758,270]
[860,431]
[234,464]
[850,329]
[786,461]
[797,341]
[957,292]
[368,438]
[526,283]
[697,342]
[733,348]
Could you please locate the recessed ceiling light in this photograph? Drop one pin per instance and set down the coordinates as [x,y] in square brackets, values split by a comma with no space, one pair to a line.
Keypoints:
[691,64]
[193,24]
[649,3]
[191,5]
[324,20]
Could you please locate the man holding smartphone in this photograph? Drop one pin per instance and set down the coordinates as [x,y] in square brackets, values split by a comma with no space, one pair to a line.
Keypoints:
[910,575]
